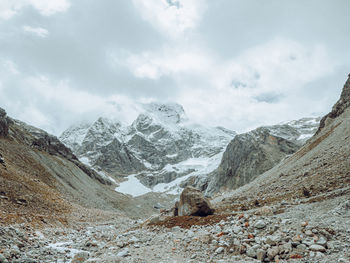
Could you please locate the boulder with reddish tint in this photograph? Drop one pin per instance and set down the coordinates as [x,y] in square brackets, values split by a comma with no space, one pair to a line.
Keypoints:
[193,203]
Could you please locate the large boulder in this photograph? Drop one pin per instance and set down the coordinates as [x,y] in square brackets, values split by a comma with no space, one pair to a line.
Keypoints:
[193,203]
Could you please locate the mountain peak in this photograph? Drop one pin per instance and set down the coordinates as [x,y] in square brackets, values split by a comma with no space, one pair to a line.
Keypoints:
[165,112]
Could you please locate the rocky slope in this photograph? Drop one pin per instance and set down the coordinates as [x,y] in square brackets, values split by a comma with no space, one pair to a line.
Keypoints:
[160,146]
[42,178]
[297,131]
[251,154]
[320,168]
[285,232]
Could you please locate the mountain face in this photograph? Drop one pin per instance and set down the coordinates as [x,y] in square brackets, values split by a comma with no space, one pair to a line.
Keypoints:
[342,104]
[320,168]
[297,131]
[41,178]
[164,151]
[251,154]
[157,145]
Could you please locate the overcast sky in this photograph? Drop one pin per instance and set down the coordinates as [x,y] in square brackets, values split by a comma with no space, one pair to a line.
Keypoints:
[234,63]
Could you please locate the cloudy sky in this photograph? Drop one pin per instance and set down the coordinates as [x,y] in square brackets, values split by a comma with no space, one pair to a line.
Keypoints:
[234,63]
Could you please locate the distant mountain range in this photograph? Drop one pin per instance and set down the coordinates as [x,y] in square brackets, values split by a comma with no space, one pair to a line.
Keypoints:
[163,151]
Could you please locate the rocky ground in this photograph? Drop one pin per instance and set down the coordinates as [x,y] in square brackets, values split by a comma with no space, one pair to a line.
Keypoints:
[286,232]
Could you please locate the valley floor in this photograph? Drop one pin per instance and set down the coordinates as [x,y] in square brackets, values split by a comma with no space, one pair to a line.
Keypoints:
[287,232]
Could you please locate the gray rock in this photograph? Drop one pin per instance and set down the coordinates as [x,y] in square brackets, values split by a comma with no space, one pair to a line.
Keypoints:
[219,250]
[192,202]
[272,252]
[123,253]
[273,240]
[154,219]
[260,254]
[302,247]
[190,234]
[252,251]
[316,247]
[322,241]
[260,224]
[2,258]
[31,260]
[237,229]
[4,123]
[308,233]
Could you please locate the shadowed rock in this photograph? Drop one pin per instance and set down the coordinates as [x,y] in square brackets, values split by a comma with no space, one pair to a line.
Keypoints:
[193,203]
[4,123]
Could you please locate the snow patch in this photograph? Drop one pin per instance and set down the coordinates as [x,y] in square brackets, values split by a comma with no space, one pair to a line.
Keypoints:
[132,187]
[305,136]
[85,160]
[202,166]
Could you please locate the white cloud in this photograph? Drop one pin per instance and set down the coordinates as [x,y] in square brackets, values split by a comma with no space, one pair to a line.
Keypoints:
[52,105]
[50,7]
[169,62]
[172,17]
[10,66]
[38,31]
[9,8]
[265,85]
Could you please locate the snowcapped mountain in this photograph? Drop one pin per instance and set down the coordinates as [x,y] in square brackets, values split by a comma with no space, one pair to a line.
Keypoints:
[162,151]
[160,148]
[250,154]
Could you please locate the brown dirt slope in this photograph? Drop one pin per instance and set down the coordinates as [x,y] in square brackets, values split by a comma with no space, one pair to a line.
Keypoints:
[42,181]
[27,192]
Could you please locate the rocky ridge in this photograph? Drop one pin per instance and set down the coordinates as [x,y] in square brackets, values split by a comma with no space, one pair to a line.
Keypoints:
[250,154]
[246,157]
[320,167]
[157,145]
[41,179]
[167,152]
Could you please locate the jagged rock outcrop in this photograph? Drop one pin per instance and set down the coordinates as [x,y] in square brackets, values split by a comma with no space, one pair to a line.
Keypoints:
[338,108]
[297,131]
[41,178]
[193,203]
[247,156]
[115,156]
[4,123]
[42,141]
[160,145]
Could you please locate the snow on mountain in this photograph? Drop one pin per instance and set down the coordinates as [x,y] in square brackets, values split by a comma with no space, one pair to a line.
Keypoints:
[162,151]
[250,154]
[160,147]
[297,131]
